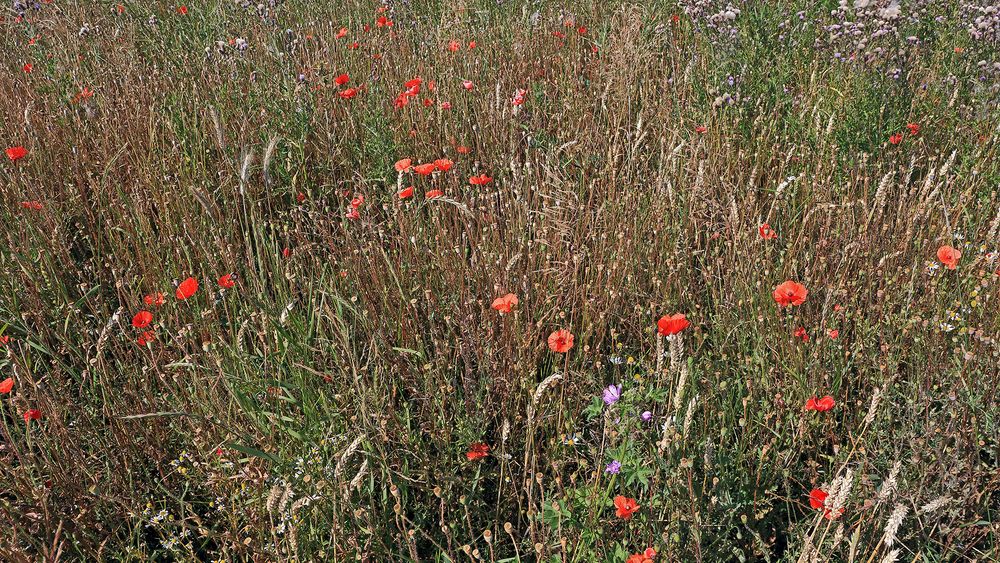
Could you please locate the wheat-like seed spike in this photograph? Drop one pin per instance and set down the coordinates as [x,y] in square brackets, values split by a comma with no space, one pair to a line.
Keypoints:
[889,486]
[935,504]
[339,469]
[892,525]
[362,471]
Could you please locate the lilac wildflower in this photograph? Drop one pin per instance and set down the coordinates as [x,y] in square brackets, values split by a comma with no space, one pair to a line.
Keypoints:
[611,394]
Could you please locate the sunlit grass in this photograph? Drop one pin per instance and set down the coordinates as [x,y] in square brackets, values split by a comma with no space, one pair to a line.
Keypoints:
[356,393]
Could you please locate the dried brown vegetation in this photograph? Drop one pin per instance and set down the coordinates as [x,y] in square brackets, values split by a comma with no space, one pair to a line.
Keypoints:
[322,408]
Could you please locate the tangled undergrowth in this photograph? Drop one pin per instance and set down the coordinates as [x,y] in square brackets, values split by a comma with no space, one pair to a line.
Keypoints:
[501,281]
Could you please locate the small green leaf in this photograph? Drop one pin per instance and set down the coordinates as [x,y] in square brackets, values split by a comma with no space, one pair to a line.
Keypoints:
[251,451]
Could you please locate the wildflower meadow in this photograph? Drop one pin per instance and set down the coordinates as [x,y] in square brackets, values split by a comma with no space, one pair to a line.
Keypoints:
[500,280]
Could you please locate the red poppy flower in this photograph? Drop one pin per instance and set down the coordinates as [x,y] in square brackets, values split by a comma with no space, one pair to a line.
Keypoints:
[227,281]
[6,385]
[817,497]
[519,97]
[16,153]
[357,201]
[383,22]
[182,10]
[187,288]
[669,325]
[913,127]
[342,79]
[700,129]
[833,333]
[625,507]
[300,197]
[433,194]
[453,46]
[413,83]
[443,164]
[425,169]
[478,451]
[949,256]
[142,319]
[472,45]
[33,205]
[286,252]
[341,33]
[27,67]
[468,84]
[767,233]
[817,500]
[480,180]
[445,105]
[801,333]
[646,556]
[790,293]
[348,94]
[896,138]
[403,165]
[145,338]
[406,193]
[153,299]
[462,149]
[560,341]
[32,414]
[4,340]
[505,303]
[84,94]
[352,213]
[820,405]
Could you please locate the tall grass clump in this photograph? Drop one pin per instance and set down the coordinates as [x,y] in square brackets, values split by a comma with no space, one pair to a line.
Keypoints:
[495,280]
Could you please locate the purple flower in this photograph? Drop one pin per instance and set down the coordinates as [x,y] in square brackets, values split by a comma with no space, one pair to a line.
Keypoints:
[612,394]
[646,416]
[614,467]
